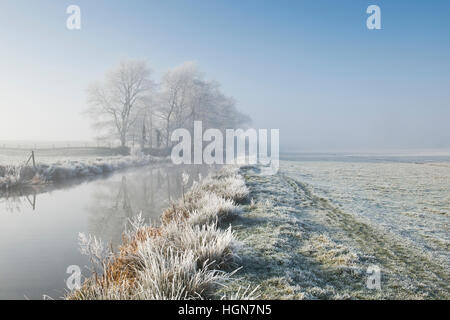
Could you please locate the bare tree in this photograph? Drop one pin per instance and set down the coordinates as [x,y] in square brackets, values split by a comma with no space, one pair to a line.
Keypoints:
[185,97]
[125,106]
[213,108]
[115,102]
[175,97]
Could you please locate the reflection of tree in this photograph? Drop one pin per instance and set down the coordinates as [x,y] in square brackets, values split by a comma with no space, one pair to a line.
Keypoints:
[145,190]
[117,198]
[122,199]
[109,209]
[16,198]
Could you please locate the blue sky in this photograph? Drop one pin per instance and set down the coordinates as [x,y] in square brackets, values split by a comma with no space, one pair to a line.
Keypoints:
[310,68]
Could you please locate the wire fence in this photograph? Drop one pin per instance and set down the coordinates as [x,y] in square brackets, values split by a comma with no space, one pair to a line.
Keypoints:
[57,145]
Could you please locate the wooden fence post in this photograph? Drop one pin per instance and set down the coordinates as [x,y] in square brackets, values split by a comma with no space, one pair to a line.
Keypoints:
[34,162]
[32,159]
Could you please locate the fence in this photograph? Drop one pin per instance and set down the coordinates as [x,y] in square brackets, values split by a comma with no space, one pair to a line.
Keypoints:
[57,145]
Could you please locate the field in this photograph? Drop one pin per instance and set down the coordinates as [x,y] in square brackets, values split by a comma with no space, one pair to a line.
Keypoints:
[313,230]
[49,155]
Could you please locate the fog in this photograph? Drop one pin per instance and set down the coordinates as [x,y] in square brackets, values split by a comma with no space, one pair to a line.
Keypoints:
[318,75]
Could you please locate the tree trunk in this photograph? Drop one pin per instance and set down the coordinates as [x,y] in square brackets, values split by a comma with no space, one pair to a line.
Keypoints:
[167,133]
[151,131]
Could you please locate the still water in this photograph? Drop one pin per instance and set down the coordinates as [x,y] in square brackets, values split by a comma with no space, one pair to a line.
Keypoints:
[39,228]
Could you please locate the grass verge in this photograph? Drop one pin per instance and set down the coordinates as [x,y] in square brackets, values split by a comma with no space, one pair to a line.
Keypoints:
[190,255]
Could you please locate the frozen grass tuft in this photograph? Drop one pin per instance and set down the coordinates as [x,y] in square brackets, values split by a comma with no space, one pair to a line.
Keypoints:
[243,294]
[168,273]
[201,207]
[187,257]
[11,176]
[210,244]
[228,187]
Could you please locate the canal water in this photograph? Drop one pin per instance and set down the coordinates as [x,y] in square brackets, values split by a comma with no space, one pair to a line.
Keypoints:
[39,227]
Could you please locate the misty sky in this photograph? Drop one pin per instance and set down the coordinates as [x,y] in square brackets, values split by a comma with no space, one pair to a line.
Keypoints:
[310,68]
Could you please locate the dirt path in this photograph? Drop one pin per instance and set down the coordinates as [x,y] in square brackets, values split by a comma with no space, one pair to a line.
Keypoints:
[298,245]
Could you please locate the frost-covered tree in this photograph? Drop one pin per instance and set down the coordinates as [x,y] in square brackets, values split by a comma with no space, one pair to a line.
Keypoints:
[214,108]
[185,96]
[175,96]
[125,106]
[116,102]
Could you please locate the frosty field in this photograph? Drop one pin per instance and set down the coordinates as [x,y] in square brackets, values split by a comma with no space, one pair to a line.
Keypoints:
[312,230]
[410,200]
[309,232]
[16,156]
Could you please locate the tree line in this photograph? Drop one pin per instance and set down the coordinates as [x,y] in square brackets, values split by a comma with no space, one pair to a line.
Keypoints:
[129,106]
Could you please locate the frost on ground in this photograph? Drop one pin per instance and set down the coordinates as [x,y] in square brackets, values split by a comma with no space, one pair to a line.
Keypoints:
[14,176]
[299,245]
[190,255]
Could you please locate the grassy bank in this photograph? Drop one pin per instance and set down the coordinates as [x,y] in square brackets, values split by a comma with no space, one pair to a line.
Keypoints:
[238,229]
[297,245]
[16,176]
[191,254]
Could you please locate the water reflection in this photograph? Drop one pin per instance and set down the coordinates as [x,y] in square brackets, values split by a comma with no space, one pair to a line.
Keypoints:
[16,202]
[17,199]
[148,192]
[39,226]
